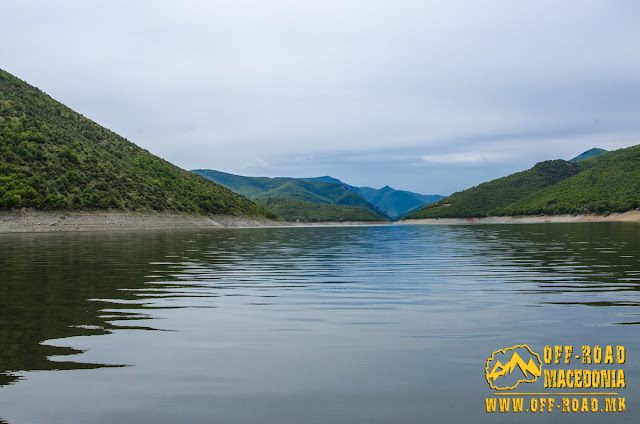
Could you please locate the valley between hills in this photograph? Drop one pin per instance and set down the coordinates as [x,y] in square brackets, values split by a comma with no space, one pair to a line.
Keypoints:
[60,171]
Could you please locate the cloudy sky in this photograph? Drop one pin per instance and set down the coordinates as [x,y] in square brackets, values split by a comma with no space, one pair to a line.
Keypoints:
[428,96]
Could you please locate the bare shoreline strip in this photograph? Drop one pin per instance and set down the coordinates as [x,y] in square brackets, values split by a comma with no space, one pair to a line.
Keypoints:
[631,216]
[41,221]
[67,221]
[70,221]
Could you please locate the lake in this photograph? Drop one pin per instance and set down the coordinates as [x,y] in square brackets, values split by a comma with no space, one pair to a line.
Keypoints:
[367,324]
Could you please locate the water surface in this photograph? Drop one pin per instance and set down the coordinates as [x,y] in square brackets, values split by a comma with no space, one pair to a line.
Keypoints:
[381,324]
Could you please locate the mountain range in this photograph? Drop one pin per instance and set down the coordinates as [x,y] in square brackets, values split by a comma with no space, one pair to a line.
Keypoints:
[53,158]
[385,203]
[395,203]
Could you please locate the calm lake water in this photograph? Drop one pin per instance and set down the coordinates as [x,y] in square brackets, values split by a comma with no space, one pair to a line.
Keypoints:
[380,324]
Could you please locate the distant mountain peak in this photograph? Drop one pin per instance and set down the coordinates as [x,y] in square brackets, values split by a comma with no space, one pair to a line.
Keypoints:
[323,179]
[589,154]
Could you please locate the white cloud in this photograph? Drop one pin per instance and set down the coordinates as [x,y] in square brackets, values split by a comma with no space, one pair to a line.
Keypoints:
[468,158]
[256,163]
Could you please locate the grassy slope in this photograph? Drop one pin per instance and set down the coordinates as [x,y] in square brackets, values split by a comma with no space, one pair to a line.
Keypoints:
[299,210]
[54,158]
[485,198]
[313,192]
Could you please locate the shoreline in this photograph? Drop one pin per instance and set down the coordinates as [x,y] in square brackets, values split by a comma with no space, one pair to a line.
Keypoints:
[73,221]
[81,221]
[630,216]
[70,221]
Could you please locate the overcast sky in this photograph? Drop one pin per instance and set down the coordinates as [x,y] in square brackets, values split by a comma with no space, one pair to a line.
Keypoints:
[428,96]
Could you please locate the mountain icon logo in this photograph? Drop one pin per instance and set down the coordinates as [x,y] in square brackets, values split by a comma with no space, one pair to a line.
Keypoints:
[506,368]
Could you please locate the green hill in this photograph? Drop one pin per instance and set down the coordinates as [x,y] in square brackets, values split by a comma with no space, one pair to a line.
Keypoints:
[481,200]
[606,182]
[610,184]
[54,158]
[312,192]
[299,210]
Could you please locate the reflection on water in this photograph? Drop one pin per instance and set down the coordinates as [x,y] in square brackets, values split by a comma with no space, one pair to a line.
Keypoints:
[341,324]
